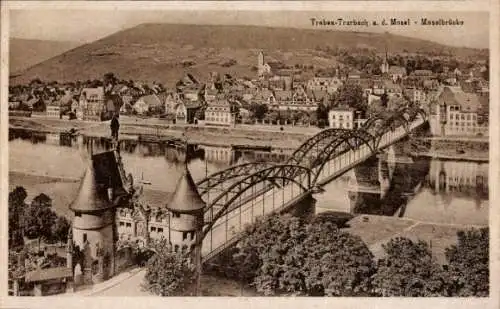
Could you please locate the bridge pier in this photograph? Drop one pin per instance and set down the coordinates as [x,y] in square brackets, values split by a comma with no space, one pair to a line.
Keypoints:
[305,208]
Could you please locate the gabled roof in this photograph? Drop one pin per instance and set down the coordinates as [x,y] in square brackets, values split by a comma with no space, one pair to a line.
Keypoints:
[98,91]
[151,100]
[394,69]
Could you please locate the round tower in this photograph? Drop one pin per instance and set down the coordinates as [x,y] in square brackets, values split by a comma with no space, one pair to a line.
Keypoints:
[100,193]
[186,213]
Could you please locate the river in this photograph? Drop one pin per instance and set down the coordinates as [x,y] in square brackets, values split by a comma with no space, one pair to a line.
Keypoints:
[423,189]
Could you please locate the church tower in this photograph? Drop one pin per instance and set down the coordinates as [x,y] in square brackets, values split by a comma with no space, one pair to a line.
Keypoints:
[384,68]
[260,60]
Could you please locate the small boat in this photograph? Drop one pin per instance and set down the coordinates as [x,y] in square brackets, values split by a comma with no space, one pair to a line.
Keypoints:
[144,182]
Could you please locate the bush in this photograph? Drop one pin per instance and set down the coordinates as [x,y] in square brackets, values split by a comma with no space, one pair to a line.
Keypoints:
[469,263]
[408,269]
[169,273]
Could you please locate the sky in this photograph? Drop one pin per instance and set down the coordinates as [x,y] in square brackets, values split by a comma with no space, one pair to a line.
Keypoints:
[86,25]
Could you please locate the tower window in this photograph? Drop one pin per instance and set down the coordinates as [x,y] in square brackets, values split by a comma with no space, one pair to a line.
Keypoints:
[160,230]
[153,229]
[121,223]
[129,224]
[84,237]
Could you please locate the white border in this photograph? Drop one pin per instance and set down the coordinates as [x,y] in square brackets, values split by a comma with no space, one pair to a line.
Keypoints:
[140,302]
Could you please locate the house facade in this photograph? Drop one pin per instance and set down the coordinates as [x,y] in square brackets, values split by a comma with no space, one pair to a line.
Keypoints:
[92,103]
[220,113]
[341,118]
[457,112]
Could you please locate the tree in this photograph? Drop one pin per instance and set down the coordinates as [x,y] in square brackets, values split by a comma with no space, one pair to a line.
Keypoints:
[469,263]
[60,229]
[350,95]
[17,206]
[408,269]
[258,110]
[384,99]
[169,273]
[285,255]
[336,263]
[39,218]
[322,114]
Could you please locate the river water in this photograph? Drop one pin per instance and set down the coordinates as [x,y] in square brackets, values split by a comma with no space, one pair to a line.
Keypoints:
[425,189]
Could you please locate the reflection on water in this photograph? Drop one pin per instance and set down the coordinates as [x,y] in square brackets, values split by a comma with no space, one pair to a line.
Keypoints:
[419,188]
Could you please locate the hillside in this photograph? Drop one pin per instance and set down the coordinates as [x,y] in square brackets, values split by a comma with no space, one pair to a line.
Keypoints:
[25,53]
[163,52]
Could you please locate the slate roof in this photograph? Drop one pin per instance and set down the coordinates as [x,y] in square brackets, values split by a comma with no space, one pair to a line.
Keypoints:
[186,198]
[102,173]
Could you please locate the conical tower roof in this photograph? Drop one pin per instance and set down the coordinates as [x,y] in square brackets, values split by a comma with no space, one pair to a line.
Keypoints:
[186,198]
[91,196]
[100,175]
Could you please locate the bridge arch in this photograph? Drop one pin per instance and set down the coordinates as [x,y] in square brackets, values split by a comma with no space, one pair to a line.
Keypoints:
[213,180]
[316,144]
[273,173]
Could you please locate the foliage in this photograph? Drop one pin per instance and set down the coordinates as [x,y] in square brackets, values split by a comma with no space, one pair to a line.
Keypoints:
[469,263]
[284,255]
[169,273]
[16,208]
[350,95]
[258,110]
[60,229]
[336,263]
[322,114]
[408,269]
[39,218]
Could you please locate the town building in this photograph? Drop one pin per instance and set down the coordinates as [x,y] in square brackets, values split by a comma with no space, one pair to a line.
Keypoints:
[341,118]
[92,103]
[396,72]
[142,224]
[328,84]
[457,113]
[53,111]
[220,112]
[148,104]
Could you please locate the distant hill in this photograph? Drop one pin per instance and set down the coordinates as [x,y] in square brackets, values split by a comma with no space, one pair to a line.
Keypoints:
[24,53]
[164,52]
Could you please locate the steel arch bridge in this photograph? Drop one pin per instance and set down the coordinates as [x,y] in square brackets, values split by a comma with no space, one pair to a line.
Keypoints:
[233,193]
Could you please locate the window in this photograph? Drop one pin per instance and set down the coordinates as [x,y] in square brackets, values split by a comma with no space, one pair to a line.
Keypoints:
[176,215]
[129,224]
[187,235]
[121,223]
[84,237]
[160,230]
[153,229]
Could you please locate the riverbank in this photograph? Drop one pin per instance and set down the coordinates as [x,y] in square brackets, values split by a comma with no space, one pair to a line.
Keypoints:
[131,128]
[448,148]
[475,149]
